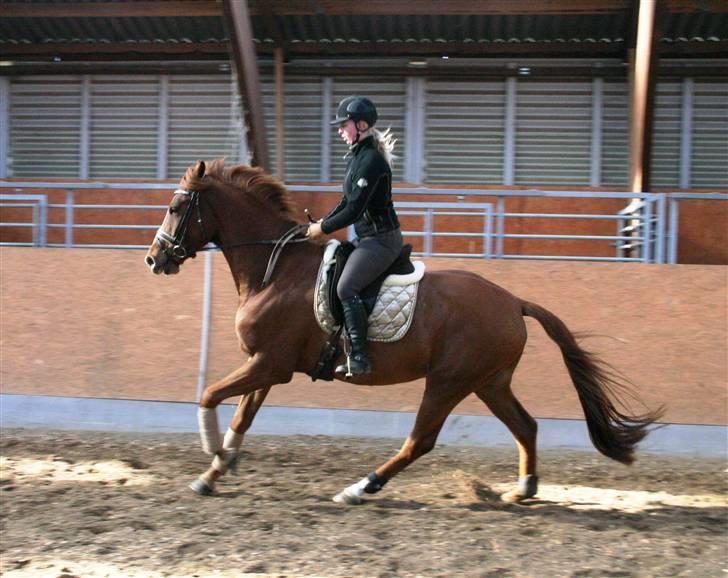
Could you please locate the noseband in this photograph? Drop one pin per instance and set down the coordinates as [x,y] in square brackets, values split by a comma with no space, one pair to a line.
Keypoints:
[174,248]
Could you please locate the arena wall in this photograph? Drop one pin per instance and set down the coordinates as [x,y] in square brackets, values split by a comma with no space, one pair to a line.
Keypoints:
[96,324]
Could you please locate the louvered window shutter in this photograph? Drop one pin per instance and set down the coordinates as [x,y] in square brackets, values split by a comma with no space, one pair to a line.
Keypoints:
[302,120]
[389,98]
[45,126]
[124,127]
[553,133]
[709,164]
[615,134]
[203,121]
[464,132]
[268,95]
[666,135]
[302,127]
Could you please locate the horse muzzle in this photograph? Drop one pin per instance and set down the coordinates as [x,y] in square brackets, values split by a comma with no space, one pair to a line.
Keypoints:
[160,263]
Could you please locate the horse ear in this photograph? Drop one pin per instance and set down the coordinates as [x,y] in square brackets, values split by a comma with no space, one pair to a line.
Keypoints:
[200,169]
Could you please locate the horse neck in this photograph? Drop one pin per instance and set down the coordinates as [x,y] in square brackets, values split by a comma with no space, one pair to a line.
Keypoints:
[247,266]
[241,222]
[295,271]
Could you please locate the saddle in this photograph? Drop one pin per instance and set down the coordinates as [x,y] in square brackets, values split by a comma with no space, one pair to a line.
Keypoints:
[401,266]
[389,302]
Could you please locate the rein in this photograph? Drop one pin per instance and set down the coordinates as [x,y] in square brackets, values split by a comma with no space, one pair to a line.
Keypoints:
[172,245]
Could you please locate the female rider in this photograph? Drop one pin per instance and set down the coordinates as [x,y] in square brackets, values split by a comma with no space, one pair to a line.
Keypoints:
[367,204]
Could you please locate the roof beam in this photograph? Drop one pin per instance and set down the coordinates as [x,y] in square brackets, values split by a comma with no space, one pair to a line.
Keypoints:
[121,51]
[436,7]
[459,70]
[201,8]
[122,8]
[466,7]
[714,6]
[148,51]
[464,49]
[115,9]
[237,21]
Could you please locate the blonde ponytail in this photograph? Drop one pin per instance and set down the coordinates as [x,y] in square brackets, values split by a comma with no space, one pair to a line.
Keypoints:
[385,143]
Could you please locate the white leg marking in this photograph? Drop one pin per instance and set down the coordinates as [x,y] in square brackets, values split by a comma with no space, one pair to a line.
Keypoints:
[209,430]
[352,495]
[230,445]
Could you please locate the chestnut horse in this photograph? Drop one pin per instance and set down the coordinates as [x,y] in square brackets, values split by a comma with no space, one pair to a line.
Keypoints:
[467,336]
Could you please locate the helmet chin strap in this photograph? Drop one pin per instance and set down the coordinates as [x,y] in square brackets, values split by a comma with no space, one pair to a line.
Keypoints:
[359,133]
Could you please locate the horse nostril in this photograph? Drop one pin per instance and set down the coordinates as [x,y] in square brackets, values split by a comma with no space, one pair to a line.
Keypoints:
[149,260]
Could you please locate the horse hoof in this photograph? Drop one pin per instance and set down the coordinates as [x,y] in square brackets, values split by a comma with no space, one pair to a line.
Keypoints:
[347,498]
[513,497]
[201,487]
[527,488]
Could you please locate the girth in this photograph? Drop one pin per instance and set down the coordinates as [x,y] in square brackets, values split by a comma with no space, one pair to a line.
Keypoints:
[401,266]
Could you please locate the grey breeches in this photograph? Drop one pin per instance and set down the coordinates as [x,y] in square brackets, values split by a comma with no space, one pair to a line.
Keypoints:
[369,260]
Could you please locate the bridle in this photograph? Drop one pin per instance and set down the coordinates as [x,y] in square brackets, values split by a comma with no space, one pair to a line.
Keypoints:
[173,246]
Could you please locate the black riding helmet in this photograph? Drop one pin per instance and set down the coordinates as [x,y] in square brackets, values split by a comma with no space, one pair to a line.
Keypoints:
[356,108]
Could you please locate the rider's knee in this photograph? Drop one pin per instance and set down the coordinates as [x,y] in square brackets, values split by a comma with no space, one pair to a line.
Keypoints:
[345,291]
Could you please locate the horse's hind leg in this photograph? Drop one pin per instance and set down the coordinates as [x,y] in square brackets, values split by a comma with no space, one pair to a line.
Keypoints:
[242,420]
[499,398]
[436,405]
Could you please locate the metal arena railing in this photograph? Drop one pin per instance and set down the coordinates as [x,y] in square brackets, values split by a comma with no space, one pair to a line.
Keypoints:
[646,230]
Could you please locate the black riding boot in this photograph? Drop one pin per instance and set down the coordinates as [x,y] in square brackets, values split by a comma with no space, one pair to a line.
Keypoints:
[356,323]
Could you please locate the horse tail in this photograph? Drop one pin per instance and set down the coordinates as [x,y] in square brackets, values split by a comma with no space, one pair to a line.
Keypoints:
[613,433]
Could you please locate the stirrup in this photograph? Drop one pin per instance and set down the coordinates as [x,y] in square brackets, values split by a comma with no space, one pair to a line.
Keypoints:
[364,367]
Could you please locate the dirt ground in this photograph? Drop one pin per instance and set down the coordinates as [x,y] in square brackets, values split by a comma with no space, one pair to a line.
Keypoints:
[93,504]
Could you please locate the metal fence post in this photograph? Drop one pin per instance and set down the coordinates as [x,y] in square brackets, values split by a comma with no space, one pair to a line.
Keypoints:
[619,244]
[35,230]
[647,229]
[674,221]
[43,221]
[488,232]
[69,218]
[660,240]
[205,333]
[428,233]
[500,227]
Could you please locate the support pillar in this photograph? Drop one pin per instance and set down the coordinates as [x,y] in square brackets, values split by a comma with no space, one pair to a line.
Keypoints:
[237,20]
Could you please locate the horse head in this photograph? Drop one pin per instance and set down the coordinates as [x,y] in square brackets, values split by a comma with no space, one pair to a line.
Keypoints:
[184,231]
[233,207]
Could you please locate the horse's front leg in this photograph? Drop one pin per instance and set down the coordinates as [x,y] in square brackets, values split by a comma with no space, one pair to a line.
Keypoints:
[242,420]
[259,374]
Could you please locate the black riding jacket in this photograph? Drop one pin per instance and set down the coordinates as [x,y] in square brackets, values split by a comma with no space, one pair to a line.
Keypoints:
[367,201]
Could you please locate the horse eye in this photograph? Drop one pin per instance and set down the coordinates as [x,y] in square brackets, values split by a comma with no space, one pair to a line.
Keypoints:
[172,210]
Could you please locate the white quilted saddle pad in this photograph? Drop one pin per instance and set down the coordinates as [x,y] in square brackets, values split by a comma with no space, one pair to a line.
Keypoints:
[393,311]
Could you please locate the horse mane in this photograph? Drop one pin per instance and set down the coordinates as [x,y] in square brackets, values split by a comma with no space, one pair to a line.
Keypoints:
[253,181]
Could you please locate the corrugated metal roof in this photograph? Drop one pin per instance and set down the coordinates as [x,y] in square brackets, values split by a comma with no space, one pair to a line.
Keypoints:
[323,29]
[107,30]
